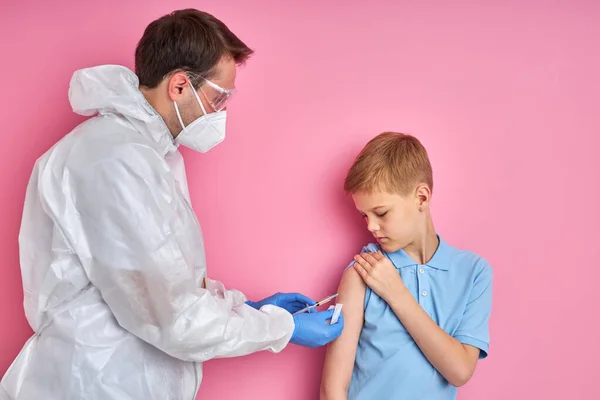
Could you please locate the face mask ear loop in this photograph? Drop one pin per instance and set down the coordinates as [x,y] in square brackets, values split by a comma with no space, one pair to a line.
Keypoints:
[179,116]
[198,98]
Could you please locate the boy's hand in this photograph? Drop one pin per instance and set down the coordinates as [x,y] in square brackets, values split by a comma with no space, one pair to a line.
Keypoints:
[379,274]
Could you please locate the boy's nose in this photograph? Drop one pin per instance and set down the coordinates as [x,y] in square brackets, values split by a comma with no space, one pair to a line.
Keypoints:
[373,227]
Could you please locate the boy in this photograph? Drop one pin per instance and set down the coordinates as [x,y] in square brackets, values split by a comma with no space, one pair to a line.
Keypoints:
[416,309]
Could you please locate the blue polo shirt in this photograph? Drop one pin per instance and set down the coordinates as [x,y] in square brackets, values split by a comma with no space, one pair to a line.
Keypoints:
[455,289]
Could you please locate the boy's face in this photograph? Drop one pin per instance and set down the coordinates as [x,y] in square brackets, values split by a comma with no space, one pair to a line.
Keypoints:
[391,218]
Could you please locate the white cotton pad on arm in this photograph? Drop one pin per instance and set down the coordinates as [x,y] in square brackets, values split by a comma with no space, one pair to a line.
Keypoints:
[336,313]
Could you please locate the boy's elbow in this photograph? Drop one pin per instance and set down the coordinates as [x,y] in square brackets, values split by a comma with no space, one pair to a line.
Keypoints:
[465,368]
[459,381]
[462,375]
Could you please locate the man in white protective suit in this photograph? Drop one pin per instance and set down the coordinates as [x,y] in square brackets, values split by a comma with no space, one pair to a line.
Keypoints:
[112,255]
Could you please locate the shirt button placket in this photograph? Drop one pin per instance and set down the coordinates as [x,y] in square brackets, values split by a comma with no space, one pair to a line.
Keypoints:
[423,293]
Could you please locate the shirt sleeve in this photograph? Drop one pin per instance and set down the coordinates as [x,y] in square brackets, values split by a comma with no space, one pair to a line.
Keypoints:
[473,328]
[136,249]
[369,248]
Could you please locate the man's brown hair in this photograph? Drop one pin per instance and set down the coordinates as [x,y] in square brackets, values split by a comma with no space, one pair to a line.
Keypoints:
[187,40]
[391,162]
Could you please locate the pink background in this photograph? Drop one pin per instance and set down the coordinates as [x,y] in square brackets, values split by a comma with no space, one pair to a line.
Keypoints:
[504,96]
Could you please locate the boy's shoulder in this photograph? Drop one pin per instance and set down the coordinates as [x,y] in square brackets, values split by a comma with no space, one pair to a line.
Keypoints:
[370,248]
[467,261]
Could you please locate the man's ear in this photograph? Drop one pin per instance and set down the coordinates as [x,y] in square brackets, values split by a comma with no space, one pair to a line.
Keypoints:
[177,84]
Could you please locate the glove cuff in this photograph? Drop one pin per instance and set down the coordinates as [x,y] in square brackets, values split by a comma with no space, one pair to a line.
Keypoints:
[296,324]
[252,304]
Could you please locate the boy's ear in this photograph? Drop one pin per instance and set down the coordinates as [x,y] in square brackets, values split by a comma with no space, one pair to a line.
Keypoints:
[423,196]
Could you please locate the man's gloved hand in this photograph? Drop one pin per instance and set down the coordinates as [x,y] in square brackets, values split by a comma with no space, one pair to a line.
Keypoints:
[292,302]
[314,329]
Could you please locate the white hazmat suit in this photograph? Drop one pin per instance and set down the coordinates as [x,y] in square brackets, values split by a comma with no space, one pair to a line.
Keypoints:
[113,263]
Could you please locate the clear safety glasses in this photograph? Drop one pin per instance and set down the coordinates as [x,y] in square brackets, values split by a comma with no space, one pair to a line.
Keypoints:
[216,96]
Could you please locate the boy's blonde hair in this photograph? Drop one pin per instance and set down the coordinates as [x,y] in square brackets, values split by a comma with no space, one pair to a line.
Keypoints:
[391,162]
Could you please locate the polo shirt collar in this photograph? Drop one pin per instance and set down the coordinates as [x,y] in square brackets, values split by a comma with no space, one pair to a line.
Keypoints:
[440,259]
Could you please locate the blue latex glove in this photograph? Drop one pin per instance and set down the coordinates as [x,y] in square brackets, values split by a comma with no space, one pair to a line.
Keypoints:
[291,302]
[314,329]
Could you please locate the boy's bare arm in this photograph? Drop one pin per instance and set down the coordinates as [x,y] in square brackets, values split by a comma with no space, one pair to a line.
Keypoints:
[454,360]
[339,360]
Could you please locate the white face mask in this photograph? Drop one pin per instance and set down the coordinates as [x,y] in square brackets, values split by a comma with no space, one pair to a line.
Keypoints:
[204,133]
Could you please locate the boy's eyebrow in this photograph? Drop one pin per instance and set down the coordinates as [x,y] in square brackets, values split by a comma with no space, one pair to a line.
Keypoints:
[373,209]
